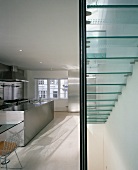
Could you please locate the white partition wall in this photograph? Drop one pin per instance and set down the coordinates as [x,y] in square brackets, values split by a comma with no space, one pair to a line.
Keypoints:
[121,130]
[95,145]
[114,145]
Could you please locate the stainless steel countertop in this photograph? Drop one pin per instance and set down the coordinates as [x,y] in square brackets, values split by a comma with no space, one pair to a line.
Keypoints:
[25,106]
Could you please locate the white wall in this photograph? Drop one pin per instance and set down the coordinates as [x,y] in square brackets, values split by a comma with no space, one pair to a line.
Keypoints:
[114,146]
[121,130]
[95,149]
[59,104]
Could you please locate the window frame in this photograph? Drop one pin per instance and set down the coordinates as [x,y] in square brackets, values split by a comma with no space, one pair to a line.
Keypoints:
[48,88]
[40,93]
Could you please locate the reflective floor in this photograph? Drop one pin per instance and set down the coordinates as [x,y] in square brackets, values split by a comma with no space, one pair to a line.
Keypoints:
[56,147]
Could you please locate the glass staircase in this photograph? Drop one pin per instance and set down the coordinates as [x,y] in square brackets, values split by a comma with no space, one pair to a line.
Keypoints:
[111,52]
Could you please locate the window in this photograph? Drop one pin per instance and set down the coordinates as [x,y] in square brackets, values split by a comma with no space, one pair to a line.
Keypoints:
[52,88]
[40,81]
[63,88]
[42,89]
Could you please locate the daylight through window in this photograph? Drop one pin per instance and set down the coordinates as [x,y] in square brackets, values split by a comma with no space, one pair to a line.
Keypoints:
[52,88]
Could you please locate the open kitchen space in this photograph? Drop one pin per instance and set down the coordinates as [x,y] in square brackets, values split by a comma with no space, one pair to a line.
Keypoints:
[46,134]
[47,131]
[69,84]
[39,84]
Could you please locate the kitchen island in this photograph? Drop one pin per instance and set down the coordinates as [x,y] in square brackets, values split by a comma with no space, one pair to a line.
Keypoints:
[34,117]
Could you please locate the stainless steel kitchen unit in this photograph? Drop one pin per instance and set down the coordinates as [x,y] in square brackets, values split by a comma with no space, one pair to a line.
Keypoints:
[34,116]
[36,119]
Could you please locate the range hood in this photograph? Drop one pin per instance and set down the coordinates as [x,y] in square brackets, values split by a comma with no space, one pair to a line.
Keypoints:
[13,75]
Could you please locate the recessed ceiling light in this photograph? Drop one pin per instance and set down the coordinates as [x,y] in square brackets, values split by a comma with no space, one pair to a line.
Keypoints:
[20,50]
[40,62]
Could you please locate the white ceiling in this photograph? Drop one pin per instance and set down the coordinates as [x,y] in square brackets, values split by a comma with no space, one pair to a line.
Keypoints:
[46,31]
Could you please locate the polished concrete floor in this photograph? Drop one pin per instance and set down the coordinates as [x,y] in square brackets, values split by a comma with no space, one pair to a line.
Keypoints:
[56,147]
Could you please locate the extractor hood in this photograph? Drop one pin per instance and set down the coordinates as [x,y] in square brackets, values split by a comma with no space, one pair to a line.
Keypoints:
[13,75]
